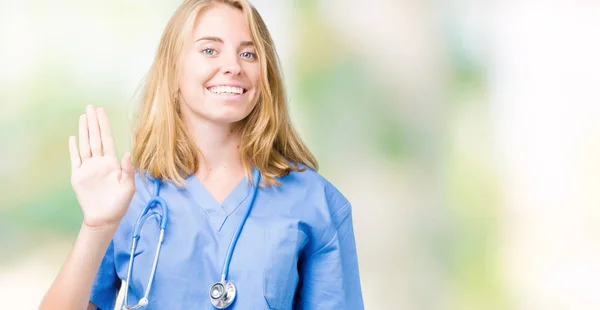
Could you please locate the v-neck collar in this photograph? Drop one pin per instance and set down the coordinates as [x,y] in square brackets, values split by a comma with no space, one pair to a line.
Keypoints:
[217,213]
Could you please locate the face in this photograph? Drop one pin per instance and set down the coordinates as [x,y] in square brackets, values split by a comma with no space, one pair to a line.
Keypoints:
[219,74]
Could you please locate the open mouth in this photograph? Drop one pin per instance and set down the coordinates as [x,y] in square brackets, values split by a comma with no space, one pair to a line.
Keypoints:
[227,90]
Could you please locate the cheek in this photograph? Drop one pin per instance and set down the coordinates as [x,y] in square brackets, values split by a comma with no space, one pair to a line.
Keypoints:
[253,73]
[195,72]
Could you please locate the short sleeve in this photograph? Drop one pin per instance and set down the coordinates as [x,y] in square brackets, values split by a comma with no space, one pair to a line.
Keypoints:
[107,284]
[330,277]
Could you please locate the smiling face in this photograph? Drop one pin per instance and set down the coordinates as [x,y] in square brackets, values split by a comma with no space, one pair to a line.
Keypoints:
[219,76]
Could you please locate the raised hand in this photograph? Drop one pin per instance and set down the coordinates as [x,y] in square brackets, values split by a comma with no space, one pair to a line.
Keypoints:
[103,186]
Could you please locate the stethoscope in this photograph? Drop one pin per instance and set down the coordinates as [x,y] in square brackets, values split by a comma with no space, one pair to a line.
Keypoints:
[222,293]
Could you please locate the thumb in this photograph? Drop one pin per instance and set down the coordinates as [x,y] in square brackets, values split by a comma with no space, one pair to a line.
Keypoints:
[126,168]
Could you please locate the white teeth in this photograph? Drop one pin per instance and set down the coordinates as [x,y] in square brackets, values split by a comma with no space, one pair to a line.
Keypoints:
[226,90]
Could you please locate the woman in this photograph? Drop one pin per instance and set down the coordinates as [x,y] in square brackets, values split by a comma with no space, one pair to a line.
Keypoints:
[244,203]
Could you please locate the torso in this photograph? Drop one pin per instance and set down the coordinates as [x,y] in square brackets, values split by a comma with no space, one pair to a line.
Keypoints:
[281,227]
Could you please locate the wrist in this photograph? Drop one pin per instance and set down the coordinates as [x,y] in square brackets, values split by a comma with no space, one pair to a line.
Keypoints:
[101,223]
[101,230]
[93,240]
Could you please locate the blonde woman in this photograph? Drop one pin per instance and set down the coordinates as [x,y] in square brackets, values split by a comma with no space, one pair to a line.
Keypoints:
[221,205]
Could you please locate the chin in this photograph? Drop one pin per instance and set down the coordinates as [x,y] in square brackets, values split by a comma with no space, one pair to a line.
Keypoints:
[222,113]
[227,117]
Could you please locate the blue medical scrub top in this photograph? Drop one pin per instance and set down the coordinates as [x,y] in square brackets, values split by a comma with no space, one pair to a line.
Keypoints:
[296,250]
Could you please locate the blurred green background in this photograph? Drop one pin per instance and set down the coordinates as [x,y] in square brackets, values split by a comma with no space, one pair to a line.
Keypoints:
[465,134]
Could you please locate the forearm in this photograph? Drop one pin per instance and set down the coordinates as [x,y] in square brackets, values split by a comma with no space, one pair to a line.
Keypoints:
[72,287]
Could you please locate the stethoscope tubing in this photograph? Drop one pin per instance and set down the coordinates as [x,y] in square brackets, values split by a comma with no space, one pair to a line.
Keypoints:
[156,200]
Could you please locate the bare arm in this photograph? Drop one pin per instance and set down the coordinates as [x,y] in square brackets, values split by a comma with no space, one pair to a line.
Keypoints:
[104,188]
[72,287]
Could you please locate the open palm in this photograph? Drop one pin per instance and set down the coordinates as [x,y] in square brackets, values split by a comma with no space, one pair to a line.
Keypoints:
[103,185]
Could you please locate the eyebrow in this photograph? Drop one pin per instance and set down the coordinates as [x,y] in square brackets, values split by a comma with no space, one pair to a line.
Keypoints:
[217,39]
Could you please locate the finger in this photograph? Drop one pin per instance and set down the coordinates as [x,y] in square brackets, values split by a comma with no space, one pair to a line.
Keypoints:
[108,144]
[74,154]
[94,131]
[126,168]
[84,142]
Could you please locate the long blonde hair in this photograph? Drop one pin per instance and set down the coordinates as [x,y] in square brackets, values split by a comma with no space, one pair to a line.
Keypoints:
[162,147]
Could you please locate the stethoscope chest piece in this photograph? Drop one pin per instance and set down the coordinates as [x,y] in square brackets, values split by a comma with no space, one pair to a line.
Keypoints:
[222,294]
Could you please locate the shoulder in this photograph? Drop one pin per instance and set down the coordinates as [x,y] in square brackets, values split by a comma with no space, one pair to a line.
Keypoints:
[312,190]
[143,192]
[316,204]
[143,186]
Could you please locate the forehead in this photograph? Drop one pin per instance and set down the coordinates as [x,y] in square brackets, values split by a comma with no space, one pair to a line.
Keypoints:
[224,21]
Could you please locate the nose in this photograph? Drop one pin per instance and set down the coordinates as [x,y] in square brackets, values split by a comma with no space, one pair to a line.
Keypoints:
[231,64]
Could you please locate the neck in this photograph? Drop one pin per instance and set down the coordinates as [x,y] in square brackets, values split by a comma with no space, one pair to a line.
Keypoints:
[219,146]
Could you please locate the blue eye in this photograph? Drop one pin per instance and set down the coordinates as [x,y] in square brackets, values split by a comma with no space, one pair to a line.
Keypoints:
[208,51]
[248,55]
